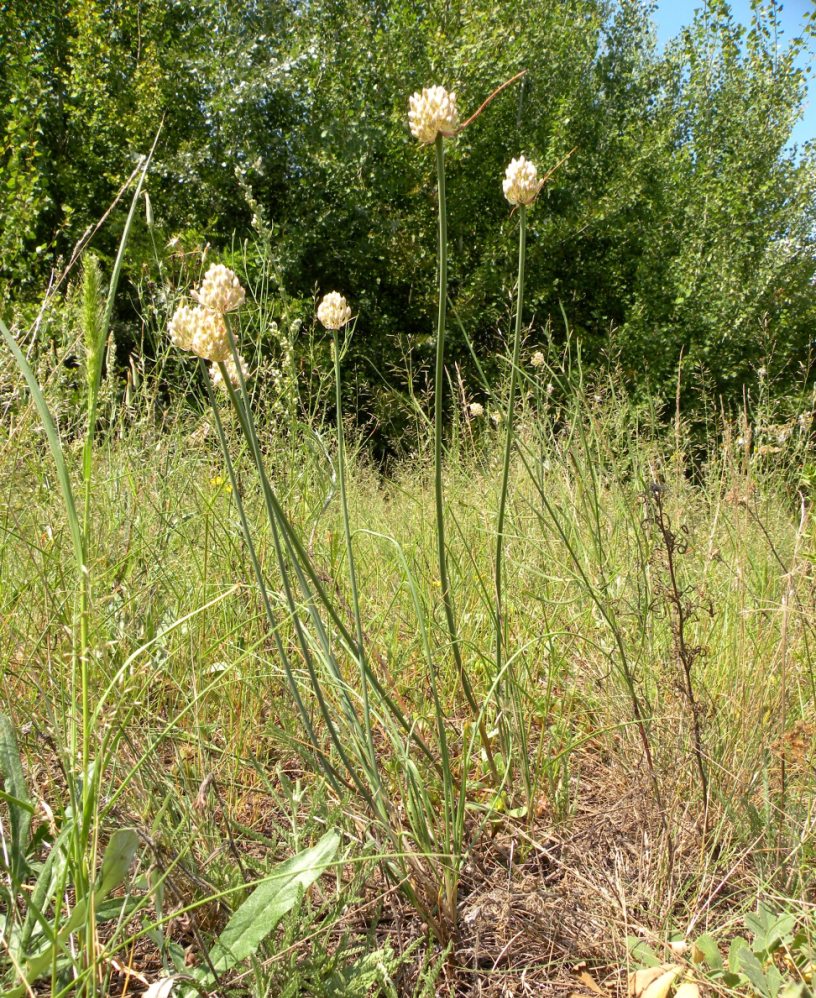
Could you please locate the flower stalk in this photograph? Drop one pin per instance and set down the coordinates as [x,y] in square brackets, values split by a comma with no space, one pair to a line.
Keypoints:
[439,495]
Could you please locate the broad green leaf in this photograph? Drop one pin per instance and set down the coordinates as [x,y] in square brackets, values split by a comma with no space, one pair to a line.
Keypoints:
[16,796]
[642,953]
[270,901]
[738,944]
[759,921]
[117,859]
[774,979]
[749,965]
[710,951]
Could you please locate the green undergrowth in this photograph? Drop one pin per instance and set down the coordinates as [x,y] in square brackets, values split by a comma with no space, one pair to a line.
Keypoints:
[660,627]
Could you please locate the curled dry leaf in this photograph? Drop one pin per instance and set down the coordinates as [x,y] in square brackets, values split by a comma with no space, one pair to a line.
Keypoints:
[688,989]
[652,982]
[663,985]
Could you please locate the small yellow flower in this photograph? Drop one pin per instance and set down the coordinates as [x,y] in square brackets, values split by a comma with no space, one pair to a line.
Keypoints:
[521,184]
[431,113]
[218,482]
[334,311]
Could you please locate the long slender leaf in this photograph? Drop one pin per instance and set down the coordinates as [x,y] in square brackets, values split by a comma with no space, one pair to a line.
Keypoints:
[54,442]
[115,864]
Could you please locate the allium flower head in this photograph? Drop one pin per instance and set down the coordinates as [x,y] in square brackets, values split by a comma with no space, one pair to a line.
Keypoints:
[476,409]
[537,360]
[431,113]
[200,330]
[334,311]
[182,326]
[232,373]
[521,183]
[220,290]
[210,338]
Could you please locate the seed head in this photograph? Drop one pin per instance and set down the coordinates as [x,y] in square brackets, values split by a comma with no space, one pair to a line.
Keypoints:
[220,290]
[432,112]
[334,311]
[210,339]
[200,330]
[521,184]
[476,409]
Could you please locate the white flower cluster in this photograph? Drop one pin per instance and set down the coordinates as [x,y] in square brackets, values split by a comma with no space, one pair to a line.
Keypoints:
[476,409]
[201,331]
[334,311]
[537,360]
[220,290]
[202,328]
[431,113]
[521,184]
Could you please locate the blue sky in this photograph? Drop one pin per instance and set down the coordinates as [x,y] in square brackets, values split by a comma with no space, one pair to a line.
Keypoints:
[672,15]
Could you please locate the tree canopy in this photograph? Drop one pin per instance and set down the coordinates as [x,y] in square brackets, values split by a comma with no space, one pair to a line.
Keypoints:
[680,230]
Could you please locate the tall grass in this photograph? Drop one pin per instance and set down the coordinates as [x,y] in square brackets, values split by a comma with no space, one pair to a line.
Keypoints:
[202,690]
[242,637]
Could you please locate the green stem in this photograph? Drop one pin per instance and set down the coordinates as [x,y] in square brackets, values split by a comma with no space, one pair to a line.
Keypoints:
[358,622]
[439,383]
[508,441]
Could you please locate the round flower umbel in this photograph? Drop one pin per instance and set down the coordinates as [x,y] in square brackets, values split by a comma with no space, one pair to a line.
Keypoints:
[202,329]
[537,360]
[182,326]
[210,337]
[220,290]
[334,311]
[432,112]
[521,184]
[476,409]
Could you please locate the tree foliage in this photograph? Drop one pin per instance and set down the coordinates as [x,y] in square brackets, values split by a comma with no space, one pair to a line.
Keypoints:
[682,225]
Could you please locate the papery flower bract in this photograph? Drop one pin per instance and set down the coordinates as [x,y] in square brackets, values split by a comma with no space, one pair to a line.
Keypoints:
[182,326]
[537,360]
[334,311]
[431,113]
[521,183]
[220,290]
[232,372]
[476,409]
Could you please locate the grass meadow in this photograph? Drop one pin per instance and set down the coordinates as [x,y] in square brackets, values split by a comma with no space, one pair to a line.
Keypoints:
[628,557]
[528,711]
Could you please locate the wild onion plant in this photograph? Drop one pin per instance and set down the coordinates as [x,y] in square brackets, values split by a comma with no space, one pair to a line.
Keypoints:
[415,816]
